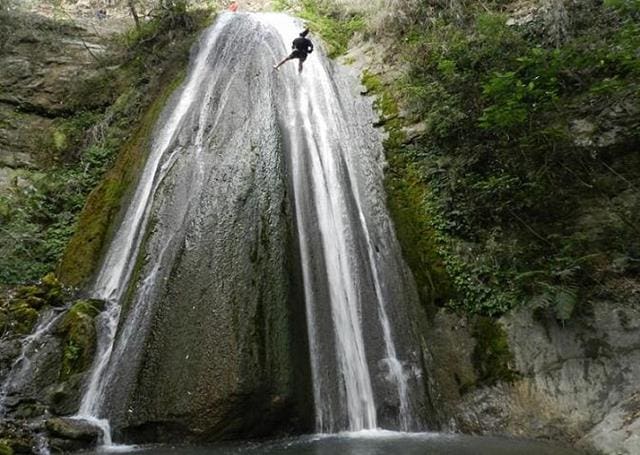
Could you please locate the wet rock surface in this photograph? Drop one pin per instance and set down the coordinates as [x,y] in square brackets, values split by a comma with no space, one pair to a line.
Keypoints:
[16,437]
[75,429]
[205,345]
[212,339]
[68,435]
[35,379]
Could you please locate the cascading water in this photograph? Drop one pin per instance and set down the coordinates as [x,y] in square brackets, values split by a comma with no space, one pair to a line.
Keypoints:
[113,277]
[333,163]
[22,368]
[240,151]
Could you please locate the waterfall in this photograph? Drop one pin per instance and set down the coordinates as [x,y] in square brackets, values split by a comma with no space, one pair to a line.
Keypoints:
[329,141]
[238,144]
[115,272]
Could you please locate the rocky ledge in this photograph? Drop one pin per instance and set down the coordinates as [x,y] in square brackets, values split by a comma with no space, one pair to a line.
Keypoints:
[575,382]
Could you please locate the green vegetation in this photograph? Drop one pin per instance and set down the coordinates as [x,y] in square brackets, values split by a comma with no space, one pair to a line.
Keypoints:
[323,17]
[79,333]
[20,311]
[406,193]
[102,134]
[491,356]
[103,204]
[523,178]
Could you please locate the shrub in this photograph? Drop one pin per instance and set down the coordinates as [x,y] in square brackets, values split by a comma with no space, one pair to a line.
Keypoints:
[521,210]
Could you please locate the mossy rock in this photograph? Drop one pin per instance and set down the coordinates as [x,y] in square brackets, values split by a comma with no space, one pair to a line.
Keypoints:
[48,291]
[15,437]
[28,296]
[22,317]
[20,313]
[75,429]
[492,358]
[53,290]
[385,101]
[79,337]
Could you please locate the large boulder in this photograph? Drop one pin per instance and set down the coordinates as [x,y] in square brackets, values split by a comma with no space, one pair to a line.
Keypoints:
[68,434]
[76,429]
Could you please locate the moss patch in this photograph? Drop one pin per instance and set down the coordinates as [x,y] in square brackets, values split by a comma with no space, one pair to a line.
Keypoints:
[407,195]
[79,337]
[22,317]
[5,449]
[385,102]
[48,291]
[83,252]
[19,313]
[492,358]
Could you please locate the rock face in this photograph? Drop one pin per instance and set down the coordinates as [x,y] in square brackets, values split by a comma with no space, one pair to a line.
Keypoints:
[39,63]
[15,438]
[213,341]
[577,383]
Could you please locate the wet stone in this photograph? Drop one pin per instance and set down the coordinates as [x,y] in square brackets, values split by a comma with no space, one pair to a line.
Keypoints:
[73,429]
[15,437]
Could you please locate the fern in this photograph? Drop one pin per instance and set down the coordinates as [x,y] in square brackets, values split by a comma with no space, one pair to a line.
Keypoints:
[561,300]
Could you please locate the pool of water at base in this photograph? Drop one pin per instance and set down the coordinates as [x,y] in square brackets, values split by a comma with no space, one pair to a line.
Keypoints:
[362,443]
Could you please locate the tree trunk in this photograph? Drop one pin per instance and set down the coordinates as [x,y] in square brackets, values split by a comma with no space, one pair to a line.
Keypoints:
[134,13]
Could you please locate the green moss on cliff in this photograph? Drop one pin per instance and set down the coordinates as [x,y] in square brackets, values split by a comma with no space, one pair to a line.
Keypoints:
[23,317]
[492,358]
[103,204]
[407,195]
[19,313]
[386,103]
[523,138]
[528,151]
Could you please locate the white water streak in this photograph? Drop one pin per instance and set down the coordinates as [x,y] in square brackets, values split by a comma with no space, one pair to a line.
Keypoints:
[23,364]
[112,280]
[321,120]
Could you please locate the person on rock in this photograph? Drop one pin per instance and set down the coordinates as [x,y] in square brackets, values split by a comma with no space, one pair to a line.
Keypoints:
[233,6]
[302,46]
